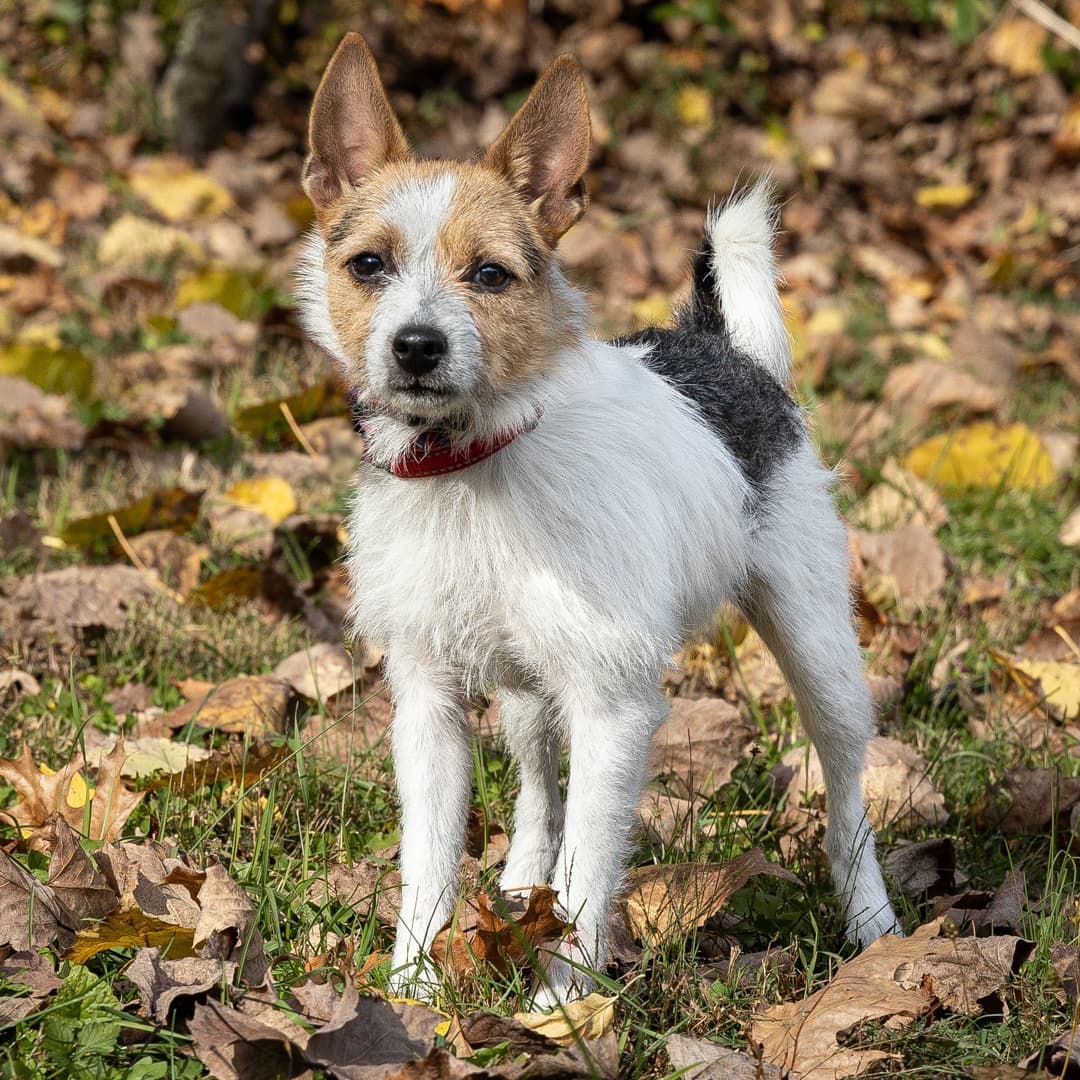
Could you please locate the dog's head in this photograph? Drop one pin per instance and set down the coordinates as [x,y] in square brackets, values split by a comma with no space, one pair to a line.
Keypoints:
[434,281]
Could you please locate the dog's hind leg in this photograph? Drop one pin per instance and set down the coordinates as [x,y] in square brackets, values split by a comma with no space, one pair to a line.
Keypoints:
[531,731]
[799,602]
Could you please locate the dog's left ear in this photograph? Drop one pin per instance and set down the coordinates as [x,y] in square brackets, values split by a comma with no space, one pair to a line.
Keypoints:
[544,150]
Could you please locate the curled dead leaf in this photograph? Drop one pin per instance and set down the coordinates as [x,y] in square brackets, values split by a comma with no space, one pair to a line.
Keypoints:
[666,901]
[588,1018]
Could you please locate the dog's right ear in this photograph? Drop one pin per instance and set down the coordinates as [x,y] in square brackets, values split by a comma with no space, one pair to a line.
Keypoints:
[353,129]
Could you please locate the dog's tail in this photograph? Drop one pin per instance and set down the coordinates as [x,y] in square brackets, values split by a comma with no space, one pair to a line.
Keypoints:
[735,279]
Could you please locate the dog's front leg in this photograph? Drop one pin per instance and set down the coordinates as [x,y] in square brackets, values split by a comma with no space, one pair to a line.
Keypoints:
[433,767]
[609,755]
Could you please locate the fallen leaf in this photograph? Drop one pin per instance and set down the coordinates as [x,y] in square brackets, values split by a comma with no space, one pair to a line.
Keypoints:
[30,419]
[255,705]
[148,755]
[982,455]
[671,900]
[694,106]
[1054,684]
[921,389]
[226,928]
[74,877]
[236,291]
[1017,43]
[363,1032]
[40,794]
[65,607]
[1035,800]
[1059,1058]
[172,508]
[482,1029]
[701,1059]
[160,982]
[29,971]
[363,887]
[944,196]
[896,784]
[500,933]
[233,1046]
[177,192]
[270,496]
[32,916]
[113,802]
[904,568]
[241,765]
[267,418]
[319,672]
[701,742]
[893,982]
[56,370]
[133,242]
[129,927]
[901,498]
[588,1018]
[922,867]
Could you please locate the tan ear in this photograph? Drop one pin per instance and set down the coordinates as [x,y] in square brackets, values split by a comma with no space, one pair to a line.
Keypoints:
[353,129]
[544,150]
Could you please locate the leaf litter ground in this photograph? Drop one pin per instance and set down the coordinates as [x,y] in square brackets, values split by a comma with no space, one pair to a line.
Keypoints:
[198,839]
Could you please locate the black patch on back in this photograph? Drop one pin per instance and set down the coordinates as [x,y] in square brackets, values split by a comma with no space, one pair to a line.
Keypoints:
[754,415]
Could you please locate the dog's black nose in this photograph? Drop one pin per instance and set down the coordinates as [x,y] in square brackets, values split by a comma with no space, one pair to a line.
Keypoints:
[419,348]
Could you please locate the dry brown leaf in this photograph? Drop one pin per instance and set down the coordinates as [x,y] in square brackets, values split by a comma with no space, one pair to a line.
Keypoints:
[113,802]
[1034,801]
[73,875]
[28,971]
[366,1032]
[127,927]
[589,1018]
[253,705]
[362,886]
[672,900]
[67,606]
[905,567]
[481,1029]
[893,982]
[701,1059]
[499,933]
[30,419]
[701,742]
[237,1047]
[32,916]
[896,784]
[922,867]
[922,388]
[226,928]
[1059,1058]
[126,865]
[160,982]
[901,498]
[319,672]
[40,794]
[176,559]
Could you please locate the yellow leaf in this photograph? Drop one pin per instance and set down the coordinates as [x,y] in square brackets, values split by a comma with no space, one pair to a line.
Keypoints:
[234,290]
[1057,682]
[694,106]
[983,455]
[131,242]
[269,495]
[178,192]
[653,310]
[55,370]
[589,1018]
[265,417]
[825,322]
[78,792]
[950,196]
[1017,44]
[128,927]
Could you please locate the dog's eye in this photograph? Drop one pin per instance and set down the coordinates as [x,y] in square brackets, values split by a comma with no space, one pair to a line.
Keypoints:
[365,266]
[492,276]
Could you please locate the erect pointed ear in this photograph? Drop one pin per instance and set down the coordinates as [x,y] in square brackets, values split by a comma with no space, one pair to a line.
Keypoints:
[544,150]
[353,129]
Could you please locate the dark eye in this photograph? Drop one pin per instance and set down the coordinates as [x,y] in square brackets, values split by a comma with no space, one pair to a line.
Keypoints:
[365,266]
[492,276]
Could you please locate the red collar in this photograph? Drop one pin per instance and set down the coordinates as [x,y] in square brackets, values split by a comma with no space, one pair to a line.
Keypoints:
[433,454]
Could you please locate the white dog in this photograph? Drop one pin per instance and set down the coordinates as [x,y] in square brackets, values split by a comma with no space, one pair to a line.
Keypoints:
[547,516]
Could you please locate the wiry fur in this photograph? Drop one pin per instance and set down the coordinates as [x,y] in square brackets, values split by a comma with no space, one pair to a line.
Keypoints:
[564,571]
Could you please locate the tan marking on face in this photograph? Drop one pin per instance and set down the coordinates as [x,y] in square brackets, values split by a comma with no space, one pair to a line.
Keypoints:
[525,325]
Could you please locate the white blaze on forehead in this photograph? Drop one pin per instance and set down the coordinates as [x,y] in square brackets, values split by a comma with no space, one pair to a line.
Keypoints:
[417,208]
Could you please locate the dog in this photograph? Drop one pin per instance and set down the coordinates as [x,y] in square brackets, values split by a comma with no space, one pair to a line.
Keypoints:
[547,516]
